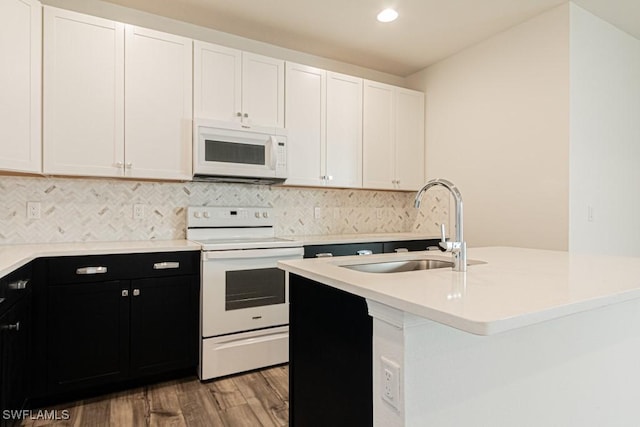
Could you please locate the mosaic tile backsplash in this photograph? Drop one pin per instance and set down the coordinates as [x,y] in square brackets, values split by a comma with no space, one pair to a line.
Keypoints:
[78,210]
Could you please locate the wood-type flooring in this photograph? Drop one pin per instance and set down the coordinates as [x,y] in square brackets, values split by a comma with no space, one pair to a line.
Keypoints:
[254,399]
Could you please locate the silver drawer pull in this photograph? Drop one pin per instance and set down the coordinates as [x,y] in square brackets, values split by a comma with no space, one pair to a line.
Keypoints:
[364,252]
[19,285]
[91,270]
[14,327]
[136,292]
[402,250]
[323,254]
[165,265]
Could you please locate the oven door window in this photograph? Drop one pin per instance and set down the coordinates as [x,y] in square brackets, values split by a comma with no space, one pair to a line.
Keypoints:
[254,288]
[234,152]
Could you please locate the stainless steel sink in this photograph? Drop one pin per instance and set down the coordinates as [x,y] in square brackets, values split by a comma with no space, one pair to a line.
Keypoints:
[405,265]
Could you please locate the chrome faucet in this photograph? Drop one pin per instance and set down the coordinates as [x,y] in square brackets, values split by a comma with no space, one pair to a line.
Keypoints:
[458,248]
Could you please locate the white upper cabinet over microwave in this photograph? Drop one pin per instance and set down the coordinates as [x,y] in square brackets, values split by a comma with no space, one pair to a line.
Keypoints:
[324,125]
[393,137]
[236,86]
[111,114]
[20,87]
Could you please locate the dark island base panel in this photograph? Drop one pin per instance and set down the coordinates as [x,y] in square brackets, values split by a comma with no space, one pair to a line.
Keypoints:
[330,368]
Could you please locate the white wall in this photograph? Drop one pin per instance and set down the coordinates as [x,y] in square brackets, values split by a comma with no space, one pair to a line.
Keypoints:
[605,137]
[497,126]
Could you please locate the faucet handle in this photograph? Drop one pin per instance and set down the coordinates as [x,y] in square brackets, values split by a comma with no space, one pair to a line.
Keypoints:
[444,245]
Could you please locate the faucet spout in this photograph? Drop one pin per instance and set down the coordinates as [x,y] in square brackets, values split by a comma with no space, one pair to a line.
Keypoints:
[458,247]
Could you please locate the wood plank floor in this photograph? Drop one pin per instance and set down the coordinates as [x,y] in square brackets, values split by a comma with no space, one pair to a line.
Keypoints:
[258,398]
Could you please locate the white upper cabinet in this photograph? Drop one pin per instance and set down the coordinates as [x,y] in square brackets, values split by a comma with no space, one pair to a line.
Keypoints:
[393,137]
[344,131]
[409,139]
[306,124]
[20,85]
[158,105]
[231,85]
[324,127]
[85,98]
[83,94]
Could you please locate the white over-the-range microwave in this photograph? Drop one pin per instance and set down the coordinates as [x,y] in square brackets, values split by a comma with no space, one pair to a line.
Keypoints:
[235,152]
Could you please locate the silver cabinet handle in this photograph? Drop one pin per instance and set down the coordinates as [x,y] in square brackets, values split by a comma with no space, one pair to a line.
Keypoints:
[323,254]
[19,285]
[402,250]
[136,292]
[238,114]
[91,270]
[10,327]
[364,252]
[119,165]
[165,265]
[125,292]
[246,115]
[128,165]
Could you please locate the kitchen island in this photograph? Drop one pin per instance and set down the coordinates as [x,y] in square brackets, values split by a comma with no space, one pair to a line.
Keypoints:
[530,337]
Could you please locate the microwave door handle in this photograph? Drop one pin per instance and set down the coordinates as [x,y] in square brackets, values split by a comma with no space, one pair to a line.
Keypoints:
[274,151]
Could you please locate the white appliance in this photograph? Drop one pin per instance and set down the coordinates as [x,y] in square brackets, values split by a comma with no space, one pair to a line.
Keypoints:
[244,296]
[235,152]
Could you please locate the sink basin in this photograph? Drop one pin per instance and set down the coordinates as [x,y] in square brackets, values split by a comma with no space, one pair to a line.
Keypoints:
[405,265]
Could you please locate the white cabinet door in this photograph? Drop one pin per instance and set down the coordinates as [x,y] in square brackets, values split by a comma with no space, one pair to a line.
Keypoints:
[262,90]
[409,139]
[83,94]
[305,122]
[217,82]
[20,85]
[344,131]
[378,136]
[158,82]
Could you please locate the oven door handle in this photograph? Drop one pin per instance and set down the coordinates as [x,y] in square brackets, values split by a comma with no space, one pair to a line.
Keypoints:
[254,253]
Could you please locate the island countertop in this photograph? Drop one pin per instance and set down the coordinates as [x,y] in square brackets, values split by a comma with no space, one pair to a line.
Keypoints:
[516,287]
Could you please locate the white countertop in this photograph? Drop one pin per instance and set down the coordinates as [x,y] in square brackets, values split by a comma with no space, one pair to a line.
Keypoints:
[329,239]
[516,287]
[15,256]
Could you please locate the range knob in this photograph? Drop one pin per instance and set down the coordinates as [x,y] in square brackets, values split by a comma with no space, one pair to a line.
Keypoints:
[257,214]
[206,215]
[265,214]
[196,214]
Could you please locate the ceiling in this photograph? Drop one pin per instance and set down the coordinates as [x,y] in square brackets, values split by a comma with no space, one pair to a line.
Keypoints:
[346,30]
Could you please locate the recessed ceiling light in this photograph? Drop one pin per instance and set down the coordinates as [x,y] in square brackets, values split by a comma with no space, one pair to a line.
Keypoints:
[387,15]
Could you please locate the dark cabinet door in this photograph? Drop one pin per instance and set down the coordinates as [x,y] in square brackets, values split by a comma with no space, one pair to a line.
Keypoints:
[88,334]
[15,327]
[164,324]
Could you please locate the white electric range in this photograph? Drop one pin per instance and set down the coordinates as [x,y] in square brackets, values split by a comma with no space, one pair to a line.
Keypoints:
[244,296]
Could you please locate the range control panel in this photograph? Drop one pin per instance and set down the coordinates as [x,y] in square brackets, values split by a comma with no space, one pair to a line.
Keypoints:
[210,216]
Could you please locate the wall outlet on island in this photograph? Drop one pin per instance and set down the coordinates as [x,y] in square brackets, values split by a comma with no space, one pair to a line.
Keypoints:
[390,382]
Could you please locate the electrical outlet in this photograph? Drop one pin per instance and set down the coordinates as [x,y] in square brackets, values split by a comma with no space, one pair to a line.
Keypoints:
[379,213]
[138,211]
[33,210]
[390,382]
[316,213]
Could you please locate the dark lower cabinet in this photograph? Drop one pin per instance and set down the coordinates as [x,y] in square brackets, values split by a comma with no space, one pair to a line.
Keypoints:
[15,343]
[330,366]
[123,327]
[88,334]
[164,322]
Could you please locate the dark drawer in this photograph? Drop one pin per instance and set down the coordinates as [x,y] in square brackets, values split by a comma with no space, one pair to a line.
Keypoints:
[99,268]
[342,249]
[410,245]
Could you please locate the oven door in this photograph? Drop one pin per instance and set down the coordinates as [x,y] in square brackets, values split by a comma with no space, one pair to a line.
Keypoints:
[244,290]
